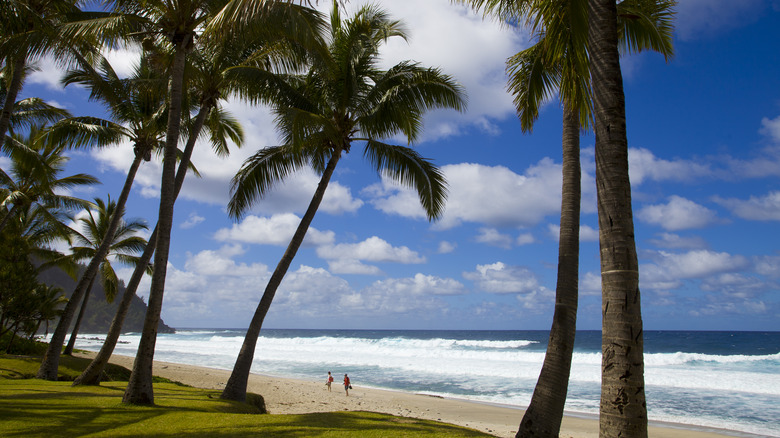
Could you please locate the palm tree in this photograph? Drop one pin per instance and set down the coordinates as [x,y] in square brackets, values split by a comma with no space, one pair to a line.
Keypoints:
[623,410]
[176,23]
[210,89]
[33,178]
[38,306]
[259,47]
[123,244]
[48,299]
[29,30]
[29,111]
[29,310]
[18,277]
[139,116]
[558,61]
[24,303]
[343,98]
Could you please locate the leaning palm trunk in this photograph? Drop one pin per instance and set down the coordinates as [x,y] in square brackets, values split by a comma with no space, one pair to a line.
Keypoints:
[93,372]
[72,341]
[545,412]
[51,358]
[623,411]
[235,389]
[10,97]
[139,389]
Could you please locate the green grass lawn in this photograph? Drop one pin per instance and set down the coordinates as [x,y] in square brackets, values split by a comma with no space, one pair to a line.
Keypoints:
[31,407]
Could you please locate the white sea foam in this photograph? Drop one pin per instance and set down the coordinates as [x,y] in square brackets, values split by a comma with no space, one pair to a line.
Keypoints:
[737,392]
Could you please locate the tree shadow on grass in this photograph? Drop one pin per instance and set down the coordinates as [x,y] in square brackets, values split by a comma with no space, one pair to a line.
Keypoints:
[54,409]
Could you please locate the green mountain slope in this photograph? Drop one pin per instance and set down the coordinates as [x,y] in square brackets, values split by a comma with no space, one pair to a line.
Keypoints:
[99,312]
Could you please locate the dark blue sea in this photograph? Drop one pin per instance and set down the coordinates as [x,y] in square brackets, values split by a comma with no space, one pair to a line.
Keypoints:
[727,380]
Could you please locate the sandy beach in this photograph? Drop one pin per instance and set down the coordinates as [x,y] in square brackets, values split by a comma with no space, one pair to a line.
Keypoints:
[293,396]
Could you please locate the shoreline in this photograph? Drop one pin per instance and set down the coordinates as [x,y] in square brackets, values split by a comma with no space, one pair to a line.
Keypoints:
[296,396]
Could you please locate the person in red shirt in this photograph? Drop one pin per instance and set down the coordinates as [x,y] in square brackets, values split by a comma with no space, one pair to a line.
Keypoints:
[347,385]
[329,381]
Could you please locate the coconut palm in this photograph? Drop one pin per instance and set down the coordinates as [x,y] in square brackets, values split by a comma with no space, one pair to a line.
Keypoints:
[31,29]
[558,62]
[344,98]
[545,411]
[27,250]
[29,111]
[34,178]
[623,410]
[18,277]
[563,46]
[49,300]
[268,47]
[123,245]
[29,310]
[209,88]
[138,113]
[177,23]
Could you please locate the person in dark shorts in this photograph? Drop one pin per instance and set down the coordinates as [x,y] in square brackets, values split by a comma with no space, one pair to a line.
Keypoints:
[347,385]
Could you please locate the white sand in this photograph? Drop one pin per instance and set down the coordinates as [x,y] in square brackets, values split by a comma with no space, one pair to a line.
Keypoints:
[292,396]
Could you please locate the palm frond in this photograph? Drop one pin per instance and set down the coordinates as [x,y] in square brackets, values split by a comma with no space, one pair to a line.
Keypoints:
[109,280]
[402,95]
[405,166]
[82,132]
[533,80]
[261,172]
[129,245]
[503,11]
[35,111]
[646,25]
[224,129]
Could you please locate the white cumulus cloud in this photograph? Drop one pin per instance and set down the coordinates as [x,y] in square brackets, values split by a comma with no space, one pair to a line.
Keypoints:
[677,214]
[492,195]
[275,230]
[644,165]
[347,257]
[503,279]
[757,208]
[492,237]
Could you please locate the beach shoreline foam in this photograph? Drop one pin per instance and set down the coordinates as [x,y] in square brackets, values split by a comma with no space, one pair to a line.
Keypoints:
[295,396]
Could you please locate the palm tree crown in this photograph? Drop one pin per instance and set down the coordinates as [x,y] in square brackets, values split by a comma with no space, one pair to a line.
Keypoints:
[34,177]
[124,243]
[343,98]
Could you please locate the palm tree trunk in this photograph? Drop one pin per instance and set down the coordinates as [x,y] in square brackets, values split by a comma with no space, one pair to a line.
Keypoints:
[72,341]
[93,372]
[139,388]
[51,358]
[545,412]
[12,92]
[623,410]
[235,389]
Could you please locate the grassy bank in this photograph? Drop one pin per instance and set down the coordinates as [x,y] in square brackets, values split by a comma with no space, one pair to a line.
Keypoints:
[31,407]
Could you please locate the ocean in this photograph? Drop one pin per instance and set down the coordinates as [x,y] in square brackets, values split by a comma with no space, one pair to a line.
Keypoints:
[724,380]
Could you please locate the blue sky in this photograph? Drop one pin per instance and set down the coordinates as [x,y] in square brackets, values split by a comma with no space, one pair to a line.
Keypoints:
[704,138]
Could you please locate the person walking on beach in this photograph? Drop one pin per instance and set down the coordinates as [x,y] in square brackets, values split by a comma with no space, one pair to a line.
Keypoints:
[329,381]
[347,385]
